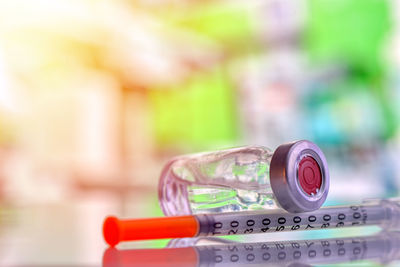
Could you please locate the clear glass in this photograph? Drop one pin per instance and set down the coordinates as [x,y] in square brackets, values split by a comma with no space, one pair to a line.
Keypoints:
[222,181]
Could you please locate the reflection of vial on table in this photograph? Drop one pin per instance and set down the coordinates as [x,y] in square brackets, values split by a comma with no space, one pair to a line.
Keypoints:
[295,177]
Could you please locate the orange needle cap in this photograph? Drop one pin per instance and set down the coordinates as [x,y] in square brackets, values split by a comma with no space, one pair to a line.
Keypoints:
[116,230]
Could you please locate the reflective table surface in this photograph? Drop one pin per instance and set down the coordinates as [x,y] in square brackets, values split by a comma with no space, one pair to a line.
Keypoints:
[69,232]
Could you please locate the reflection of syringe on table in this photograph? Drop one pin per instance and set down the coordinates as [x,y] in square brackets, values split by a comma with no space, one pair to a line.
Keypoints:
[385,213]
[382,248]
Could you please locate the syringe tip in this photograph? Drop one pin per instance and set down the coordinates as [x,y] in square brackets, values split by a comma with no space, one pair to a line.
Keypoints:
[111,231]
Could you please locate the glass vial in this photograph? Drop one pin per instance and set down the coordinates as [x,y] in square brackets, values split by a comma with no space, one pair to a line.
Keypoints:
[294,177]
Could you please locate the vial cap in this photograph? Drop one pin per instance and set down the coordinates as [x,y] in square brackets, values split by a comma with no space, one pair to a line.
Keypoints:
[309,174]
[299,176]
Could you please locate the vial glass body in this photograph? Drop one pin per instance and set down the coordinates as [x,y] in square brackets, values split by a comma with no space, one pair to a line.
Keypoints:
[294,177]
[222,181]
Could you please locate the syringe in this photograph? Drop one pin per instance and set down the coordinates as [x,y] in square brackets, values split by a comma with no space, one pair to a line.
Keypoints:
[385,213]
[381,248]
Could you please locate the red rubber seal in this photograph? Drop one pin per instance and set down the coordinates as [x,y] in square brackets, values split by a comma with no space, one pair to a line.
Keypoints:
[309,174]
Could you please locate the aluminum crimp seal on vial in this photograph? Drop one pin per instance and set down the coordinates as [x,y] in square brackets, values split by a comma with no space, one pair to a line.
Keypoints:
[299,176]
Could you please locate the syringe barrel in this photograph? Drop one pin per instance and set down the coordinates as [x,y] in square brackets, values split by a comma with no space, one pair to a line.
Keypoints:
[392,212]
[273,221]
